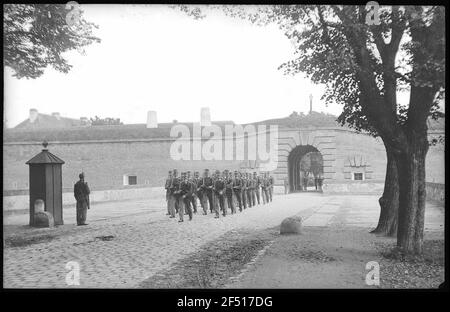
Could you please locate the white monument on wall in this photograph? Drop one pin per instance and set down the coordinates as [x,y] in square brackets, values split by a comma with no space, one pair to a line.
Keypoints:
[205,117]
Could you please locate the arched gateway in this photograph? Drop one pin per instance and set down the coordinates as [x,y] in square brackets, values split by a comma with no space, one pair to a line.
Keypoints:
[305,162]
[294,144]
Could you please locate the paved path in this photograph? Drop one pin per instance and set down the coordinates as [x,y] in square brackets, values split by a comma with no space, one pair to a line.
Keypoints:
[146,241]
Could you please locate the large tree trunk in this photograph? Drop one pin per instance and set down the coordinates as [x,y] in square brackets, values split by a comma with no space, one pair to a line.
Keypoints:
[387,224]
[411,174]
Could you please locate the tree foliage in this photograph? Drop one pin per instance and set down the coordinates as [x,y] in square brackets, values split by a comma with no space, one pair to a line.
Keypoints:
[97,121]
[328,40]
[36,36]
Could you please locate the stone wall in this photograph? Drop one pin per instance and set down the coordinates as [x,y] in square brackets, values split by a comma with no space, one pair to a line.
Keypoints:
[105,162]
[20,203]
[435,192]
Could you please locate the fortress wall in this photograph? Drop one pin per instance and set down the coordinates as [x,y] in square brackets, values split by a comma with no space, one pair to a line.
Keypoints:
[105,163]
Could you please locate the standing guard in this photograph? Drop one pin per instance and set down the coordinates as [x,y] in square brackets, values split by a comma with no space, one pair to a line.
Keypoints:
[81,192]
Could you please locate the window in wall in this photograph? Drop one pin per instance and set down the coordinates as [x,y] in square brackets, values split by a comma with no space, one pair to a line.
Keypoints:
[358,176]
[129,179]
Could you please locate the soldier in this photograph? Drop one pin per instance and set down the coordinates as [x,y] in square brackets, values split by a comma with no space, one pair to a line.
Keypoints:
[257,185]
[208,189]
[229,184]
[249,190]
[219,194]
[265,188]
[193,191]
[167,185]
[224,179]
[271,183]
[237,188]
[244,190]
[173,198]
[201,192]
[81,192]
[185,197]
[253,193]
[195,182]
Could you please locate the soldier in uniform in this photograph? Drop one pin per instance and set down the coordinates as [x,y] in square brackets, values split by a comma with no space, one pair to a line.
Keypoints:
[219,192]
[244,190]
[81,192]
[166,186]
[201,192]
[193,191]
[271,183]
[258,181]
[229,183]
[185,190]
[208,189]
[249,189]
[265,188]
[237,188]
[173,198]
[195,182]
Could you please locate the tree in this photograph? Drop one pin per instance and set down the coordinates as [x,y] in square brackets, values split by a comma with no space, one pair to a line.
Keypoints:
[36,36]
[363,66]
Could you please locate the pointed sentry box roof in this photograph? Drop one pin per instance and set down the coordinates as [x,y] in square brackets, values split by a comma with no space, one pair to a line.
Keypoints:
[45,157]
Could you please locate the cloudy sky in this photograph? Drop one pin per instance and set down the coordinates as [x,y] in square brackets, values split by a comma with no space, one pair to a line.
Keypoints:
[157,58]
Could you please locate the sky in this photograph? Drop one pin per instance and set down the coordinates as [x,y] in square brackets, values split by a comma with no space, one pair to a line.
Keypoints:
[153,57]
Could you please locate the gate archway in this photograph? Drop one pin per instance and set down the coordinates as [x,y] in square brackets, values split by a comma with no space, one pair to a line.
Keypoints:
[297,169]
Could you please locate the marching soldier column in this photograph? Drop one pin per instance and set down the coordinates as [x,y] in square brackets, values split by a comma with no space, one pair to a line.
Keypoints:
[216,193]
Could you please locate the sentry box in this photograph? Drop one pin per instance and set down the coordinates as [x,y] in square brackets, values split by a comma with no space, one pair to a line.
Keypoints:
[46,184]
